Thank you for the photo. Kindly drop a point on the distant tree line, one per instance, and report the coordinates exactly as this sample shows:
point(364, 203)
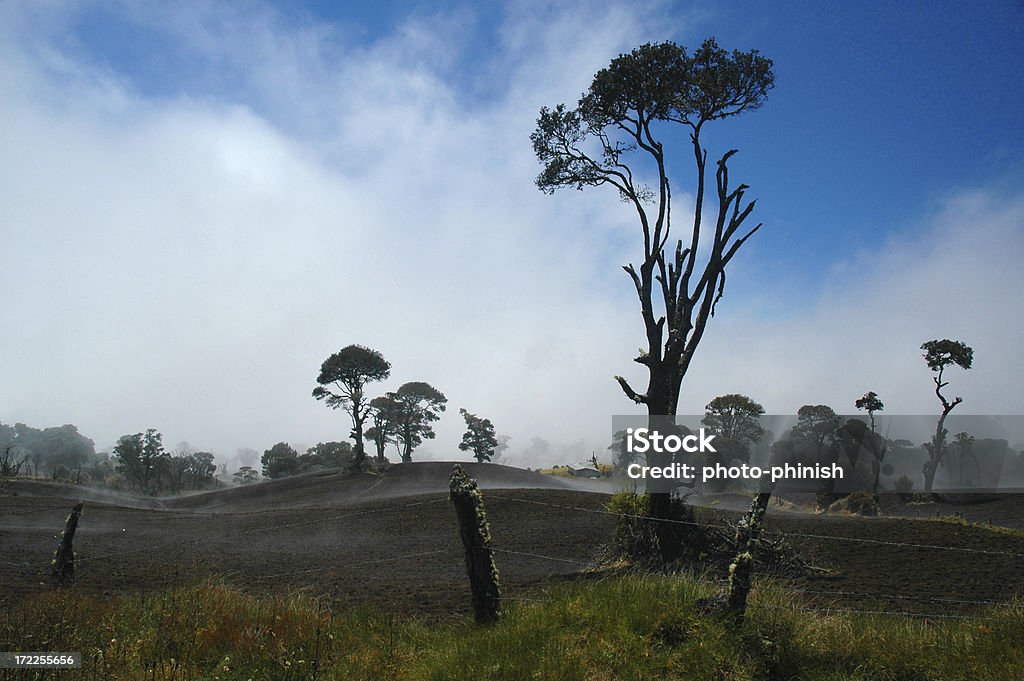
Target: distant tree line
point(821, 436)
point(282, 460)
point(138, 461)
point(57, 453)
point(148, 468)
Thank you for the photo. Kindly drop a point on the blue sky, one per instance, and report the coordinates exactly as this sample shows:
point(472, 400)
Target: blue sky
point(258, 184)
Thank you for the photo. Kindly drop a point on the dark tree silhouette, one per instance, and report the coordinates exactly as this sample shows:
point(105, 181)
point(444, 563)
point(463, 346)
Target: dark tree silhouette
point(621, 455)
point(142, 459)
point(418, 405)
point(734, 420)
point(11, 461)
point(280, 461)
point(940, 354)
point(479, 437)
point(326, 454)
point(612, 138)
point(348, 371)
point(734, 417)
point(965, 447)
point(384, 411)
point(59, 448)
point(818, 426)
point(876, 445)
point(246, 475)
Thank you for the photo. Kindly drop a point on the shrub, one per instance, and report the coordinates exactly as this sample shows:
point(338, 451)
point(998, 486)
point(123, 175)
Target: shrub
point(635, 539)
point(636, 536)
point(903, 485)
point(859, 503)
point(823, 500)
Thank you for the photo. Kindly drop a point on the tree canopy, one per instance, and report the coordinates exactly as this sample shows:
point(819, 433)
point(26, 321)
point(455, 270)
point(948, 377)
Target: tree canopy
point(940, 354)
point(734, 417)
point(142, 458)
point(327, 455)
point(280, 461)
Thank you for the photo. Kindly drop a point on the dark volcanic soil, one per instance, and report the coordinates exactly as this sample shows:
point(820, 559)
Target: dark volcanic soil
point(392, 540)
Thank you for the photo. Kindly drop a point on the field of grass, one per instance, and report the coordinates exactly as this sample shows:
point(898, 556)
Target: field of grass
point(621, 627)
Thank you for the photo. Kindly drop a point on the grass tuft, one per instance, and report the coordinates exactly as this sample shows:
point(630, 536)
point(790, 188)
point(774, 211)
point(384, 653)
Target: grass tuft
point(623, 627)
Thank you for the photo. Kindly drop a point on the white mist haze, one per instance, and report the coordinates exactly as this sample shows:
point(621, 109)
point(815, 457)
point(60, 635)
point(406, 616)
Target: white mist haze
point(185, 260)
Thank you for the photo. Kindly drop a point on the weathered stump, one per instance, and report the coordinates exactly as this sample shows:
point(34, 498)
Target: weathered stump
point(62, 567)
point(476, 538)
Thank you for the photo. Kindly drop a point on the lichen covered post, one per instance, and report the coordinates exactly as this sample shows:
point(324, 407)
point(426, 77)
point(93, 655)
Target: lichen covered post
point(476, 538)
point(747, 534)
point(63, 563)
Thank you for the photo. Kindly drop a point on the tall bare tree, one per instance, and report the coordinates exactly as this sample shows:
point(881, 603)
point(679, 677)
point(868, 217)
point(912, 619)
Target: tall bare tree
point(612, 137)
point(870, 402)
point(940, 354)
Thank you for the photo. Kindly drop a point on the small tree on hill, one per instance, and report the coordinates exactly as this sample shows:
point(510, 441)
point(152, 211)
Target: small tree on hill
point(342, 378)
point(479, 437)
point(871, 403)
point(384, 412)
point(246, 475)
point(419, 405)
point(734, 420)
point(965, 448)
point(142, 459)
point(327, 454)
point(280, 461)
point(734, 417)
point(817, 426)
point(940, 354)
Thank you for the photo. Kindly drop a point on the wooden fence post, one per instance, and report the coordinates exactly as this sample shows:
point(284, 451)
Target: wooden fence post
point(747, 534)
point(476, 538)
point(63, 563)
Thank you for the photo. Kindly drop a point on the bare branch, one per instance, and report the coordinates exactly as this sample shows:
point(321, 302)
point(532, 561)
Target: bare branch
point(636, 279)
point(739, 242)
point(630, 393)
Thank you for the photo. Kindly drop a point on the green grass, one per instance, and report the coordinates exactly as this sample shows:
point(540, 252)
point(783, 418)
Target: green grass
point(626, 627)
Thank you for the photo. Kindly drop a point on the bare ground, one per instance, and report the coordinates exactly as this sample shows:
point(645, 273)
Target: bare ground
point(391, 540)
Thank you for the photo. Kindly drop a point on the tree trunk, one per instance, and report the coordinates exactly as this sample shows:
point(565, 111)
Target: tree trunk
point(659, 490)
point(476, 538)
point(930, 469)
